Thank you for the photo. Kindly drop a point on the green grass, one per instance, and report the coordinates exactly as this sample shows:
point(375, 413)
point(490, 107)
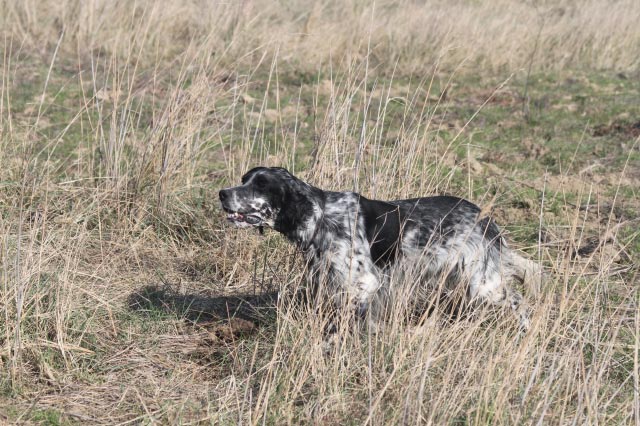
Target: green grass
point(571, 125)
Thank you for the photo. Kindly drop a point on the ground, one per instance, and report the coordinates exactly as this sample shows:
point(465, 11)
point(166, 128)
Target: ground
point(126, 298)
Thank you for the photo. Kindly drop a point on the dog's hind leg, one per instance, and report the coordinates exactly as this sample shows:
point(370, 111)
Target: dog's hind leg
point(508, 298)
point(519, 307)
point(531, 275)
point(494, 289)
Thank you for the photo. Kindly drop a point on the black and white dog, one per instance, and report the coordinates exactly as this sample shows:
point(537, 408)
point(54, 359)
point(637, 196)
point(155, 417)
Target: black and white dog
point(354, 244)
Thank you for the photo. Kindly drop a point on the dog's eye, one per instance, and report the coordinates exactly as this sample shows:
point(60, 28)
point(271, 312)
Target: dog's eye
point(260, 181)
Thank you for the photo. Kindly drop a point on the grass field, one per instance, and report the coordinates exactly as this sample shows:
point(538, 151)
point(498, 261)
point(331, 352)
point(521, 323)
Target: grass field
point(126, 298)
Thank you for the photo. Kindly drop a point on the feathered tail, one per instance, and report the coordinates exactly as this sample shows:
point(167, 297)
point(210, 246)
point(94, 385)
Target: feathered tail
point(528, 272)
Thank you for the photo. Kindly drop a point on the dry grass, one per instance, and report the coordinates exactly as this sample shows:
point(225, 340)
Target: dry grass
point(390, 34)
point(119, 278)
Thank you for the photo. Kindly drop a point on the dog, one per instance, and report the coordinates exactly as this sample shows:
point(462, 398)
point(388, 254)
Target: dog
point(354, 245)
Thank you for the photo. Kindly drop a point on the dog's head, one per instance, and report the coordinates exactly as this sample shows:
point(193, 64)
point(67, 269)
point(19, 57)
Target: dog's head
point(259, 199)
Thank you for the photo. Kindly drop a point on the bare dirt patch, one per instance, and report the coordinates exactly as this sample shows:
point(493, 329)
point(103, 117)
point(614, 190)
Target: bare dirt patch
point(618, 127)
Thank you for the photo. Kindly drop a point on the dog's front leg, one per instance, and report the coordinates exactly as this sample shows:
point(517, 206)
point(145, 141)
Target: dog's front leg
point(354, 285)
point(366, 305)
point(363, 285)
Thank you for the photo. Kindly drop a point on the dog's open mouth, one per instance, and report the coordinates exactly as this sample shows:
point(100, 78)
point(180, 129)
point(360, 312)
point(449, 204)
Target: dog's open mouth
point(244, 218)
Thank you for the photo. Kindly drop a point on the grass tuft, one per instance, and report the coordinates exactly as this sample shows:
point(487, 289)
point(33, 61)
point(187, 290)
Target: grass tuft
point(125, 298)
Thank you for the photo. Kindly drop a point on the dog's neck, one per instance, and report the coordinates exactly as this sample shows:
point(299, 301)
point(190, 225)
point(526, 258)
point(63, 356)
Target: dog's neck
point(310, 230)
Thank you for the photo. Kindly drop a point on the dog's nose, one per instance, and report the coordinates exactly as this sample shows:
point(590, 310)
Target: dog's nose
point(223, 194)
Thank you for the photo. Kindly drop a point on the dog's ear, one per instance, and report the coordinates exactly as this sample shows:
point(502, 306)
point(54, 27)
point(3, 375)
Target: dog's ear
point(296, 205)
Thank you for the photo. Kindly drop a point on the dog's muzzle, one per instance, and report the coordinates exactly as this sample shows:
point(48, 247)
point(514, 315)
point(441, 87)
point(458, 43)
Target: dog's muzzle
point(236, 215)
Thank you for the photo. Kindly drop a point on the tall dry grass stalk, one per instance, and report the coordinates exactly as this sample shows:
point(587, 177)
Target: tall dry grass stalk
point(394, 34)
point(164, 103)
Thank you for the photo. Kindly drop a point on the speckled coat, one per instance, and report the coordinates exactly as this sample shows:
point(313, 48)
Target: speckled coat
point(354, 245)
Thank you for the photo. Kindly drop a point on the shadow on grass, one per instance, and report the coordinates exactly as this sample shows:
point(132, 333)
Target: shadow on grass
point(154, 299)
point(258, 309)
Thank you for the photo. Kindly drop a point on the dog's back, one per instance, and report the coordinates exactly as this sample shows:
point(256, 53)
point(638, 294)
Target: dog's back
point(444, 243)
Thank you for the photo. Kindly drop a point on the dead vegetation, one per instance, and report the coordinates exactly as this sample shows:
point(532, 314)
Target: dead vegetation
point(126, 299)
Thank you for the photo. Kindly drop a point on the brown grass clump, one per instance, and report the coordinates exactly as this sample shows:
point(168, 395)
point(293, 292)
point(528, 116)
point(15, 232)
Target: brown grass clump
point(125, 298)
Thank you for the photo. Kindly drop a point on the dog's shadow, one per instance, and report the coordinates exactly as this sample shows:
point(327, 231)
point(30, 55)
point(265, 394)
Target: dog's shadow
point(156, 299)
point(256, 310)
